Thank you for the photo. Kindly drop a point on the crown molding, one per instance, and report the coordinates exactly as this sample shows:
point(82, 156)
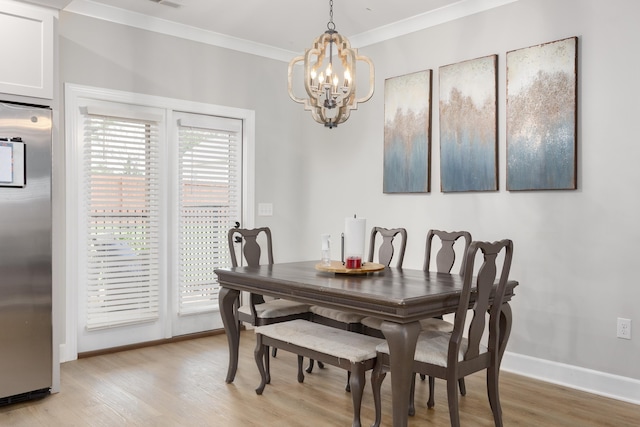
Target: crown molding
point(53, 4)
point(426, 20)
point(163, 26)
point(452, 12)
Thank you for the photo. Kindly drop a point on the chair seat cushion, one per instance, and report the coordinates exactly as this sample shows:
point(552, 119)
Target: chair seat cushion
point(276, 308)
point(336, 342)
point(431, 324)
point(432, 347)
point(338, 315)
point(372, 322)
point(435, 324)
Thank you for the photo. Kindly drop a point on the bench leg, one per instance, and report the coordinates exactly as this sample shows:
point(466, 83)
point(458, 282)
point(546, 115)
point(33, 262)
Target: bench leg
point(357, 381)
point(258, 354)
point(432, 386)
point(300, 369)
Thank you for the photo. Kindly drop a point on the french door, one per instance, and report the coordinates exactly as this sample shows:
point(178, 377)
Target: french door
point(157, 192)
point(208, 194)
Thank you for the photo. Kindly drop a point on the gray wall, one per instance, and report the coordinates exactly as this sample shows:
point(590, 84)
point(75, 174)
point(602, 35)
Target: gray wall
point(574, 250)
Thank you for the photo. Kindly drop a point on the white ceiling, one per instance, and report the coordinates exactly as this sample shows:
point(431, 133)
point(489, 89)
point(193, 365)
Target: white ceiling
point(276, 28)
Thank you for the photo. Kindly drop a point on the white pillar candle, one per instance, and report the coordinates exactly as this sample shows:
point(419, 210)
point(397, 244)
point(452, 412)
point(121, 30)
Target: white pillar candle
point(354, 235)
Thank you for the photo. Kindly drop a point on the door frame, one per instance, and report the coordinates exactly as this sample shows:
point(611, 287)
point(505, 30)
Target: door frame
point(74, 96)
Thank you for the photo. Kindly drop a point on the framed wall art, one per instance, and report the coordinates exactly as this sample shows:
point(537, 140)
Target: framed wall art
point(407, 133)
point(468, 126)
point(541, 116)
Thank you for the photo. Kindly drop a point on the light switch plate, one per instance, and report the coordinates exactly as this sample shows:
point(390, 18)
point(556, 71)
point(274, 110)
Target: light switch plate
point(265, 209)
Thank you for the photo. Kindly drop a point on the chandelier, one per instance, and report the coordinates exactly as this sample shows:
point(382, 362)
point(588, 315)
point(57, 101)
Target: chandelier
point(330, 100)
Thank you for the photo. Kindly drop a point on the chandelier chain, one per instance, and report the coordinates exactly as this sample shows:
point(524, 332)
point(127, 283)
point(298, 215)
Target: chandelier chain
point(330, 25)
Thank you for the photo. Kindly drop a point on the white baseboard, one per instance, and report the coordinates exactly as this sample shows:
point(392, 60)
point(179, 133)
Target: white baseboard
point(596, 382)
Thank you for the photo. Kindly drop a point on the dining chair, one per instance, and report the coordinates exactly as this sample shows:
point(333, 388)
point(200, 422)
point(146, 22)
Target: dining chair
point(451, 356)
point(444, 261)
point(258, 311)
point(381, 239)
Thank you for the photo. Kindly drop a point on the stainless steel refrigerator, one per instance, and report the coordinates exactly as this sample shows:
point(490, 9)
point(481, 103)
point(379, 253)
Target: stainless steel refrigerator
point(25, 252)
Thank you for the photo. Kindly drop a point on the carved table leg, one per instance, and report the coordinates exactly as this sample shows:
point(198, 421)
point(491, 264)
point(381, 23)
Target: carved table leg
point(226, 301)
point(402, 340)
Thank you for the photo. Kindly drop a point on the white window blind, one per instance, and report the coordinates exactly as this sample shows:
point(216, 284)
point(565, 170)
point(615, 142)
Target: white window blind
point(209, 205)
point(122, 213)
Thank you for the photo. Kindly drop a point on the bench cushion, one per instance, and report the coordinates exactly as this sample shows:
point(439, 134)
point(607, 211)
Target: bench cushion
point(324, 339)
point(432, 347)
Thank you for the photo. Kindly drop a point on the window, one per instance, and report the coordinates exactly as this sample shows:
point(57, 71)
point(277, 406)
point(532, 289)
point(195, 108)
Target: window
point(122, 220)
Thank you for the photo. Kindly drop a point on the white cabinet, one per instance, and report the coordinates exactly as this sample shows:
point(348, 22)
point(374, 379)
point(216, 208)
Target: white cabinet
point(26, 49)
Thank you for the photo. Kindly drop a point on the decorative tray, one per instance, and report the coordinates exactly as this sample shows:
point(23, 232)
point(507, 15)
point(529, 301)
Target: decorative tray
point(339, 267)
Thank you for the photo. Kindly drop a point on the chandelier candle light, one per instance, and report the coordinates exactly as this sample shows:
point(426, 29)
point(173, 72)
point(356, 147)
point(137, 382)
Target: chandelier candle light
point(330, 100)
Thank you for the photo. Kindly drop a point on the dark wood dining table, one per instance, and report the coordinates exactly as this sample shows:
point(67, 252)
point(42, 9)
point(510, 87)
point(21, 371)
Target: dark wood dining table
point(399, 296)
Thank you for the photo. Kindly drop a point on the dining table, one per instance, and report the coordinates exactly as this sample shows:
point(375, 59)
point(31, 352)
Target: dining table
point(398, 296)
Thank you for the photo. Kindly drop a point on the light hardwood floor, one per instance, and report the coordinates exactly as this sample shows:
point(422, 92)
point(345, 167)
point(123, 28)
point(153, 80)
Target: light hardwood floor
point(182, 384)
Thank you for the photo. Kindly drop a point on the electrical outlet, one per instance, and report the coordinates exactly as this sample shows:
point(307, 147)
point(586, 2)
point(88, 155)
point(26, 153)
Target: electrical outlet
point(624, 328)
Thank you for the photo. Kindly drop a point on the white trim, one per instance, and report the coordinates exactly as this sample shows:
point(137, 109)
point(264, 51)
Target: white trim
point(51, 4)
point(145, 22)
point(429, 19)
point(588, 380)
point(171, 151)
point(73, 155)
point(69, 347)
point(248, 171)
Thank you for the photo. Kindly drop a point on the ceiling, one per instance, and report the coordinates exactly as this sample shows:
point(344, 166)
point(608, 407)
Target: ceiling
point(284, 26)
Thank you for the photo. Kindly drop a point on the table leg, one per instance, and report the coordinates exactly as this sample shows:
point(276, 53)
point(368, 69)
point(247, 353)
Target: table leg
point(402, 340)
point(226, 300)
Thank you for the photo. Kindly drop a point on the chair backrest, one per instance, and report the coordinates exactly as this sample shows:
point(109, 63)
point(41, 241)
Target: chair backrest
point(387, 249)
point(446, 256)
point(482, 284)
point(250, 246)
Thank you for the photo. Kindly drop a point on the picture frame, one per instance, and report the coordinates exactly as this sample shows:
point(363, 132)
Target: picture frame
point(468, 125)
point(407, 133)
point(542, 116)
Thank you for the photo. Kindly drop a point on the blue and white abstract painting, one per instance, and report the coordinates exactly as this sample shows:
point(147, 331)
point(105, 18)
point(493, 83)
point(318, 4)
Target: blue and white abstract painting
point(541, 116)
point(407, 133)
point(468, 122)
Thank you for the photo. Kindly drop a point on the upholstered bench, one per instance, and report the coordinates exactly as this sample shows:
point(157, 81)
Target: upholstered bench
point(348, 350)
